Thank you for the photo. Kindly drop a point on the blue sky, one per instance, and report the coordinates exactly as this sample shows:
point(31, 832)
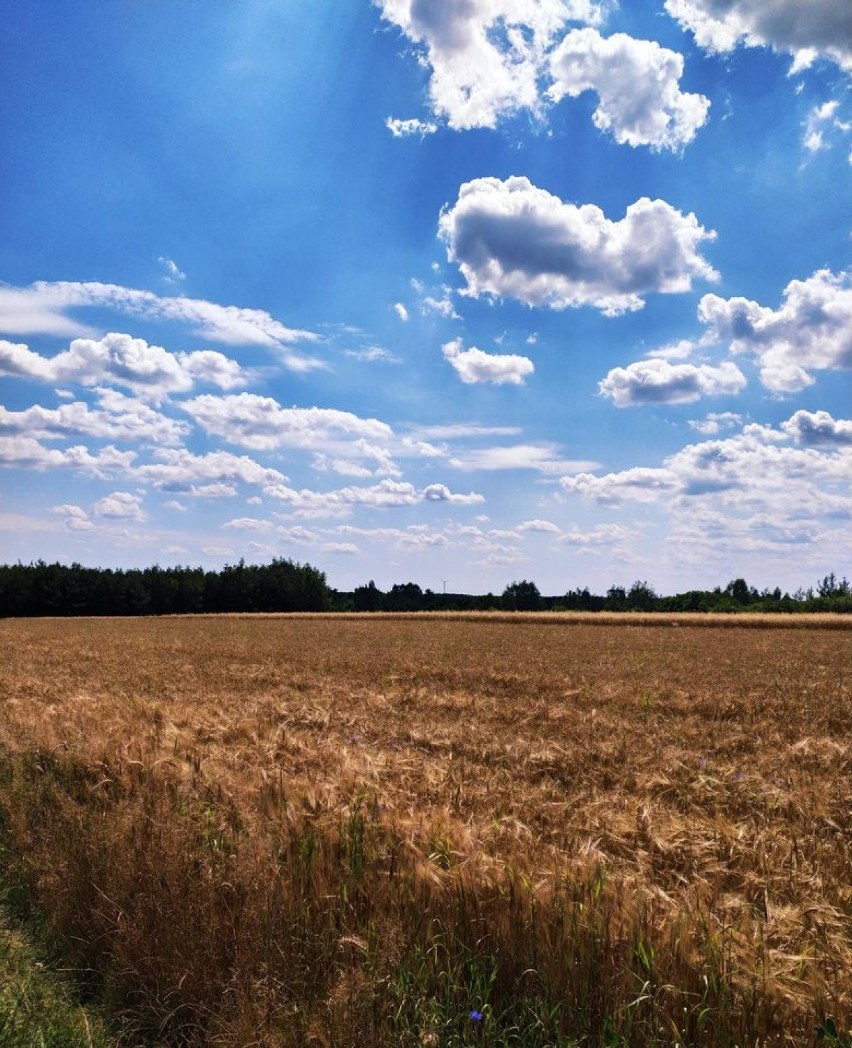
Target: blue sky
point(464, 291)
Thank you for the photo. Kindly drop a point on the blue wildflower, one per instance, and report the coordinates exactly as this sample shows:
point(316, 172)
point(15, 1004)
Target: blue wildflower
point(476, 1016)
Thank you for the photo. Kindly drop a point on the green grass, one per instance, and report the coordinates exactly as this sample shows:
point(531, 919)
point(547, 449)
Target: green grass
point(37, 1007)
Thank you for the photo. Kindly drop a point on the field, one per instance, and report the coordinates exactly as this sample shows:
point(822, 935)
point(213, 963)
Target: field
point(414, 830)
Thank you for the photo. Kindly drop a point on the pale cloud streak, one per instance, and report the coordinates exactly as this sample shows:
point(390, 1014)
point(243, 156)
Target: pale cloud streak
point(384, 495)
point(44, 308)
point(543, 458)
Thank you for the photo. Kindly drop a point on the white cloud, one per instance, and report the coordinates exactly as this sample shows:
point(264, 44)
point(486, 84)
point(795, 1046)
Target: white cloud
point(262, 423)
point(657, 381)
point(443, 306)
point(19, 452)
point(173, 272)
point(120, 505)
point(755, 472)
point(544, 458)
point(464, 430)
point(180, 471)
point(812, 330)
point(118, 418)
point(475, 365)
point(818, 429)
point(637, 83)
point(149, 371)
point(679, 350)
point(604, 536)
point(76, 518)
point(806, 29)
point(513, 239)
point(372, 355)
point(824, 128)
point(639, 484)
point(405, 128)
point(381, 463)
point(540, 526)
point(248, 524)
point(401, 311)
point(385, 494)
point(485, 56)
point(216, 490)
point(490, 59)
point(715, 421)
point(42, 308)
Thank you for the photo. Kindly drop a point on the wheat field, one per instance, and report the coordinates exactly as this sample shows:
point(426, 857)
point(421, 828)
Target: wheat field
point(445, 830)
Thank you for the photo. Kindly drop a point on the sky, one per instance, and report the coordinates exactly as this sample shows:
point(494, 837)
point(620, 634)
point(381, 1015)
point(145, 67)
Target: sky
point(456, 292)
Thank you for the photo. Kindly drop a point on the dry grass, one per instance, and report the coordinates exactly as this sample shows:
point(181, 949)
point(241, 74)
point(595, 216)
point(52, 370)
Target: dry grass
point(705, 771)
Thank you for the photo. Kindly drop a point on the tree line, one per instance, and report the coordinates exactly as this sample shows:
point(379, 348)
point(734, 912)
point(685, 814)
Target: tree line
point(59, 589)
point(284, 585)
point(830, 594)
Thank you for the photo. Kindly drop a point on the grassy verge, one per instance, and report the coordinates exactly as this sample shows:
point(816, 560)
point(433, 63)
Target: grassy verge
point(37, 1007)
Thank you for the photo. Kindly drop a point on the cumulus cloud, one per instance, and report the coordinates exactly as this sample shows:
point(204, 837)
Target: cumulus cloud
point(656, 381)
point(490, 59)
point(806, 29)
point(401, 311)
point(812, 329)
point(148, 370)
point(818, 429)
point(715, 421)
point(117, 418)
point(755, 472)
point(415, 539)
point(638, 88)
point(20, 452)
point(485, 56)
point(216, 473)
point(43, 308)
point(358, 453)
point(248, 524)
point(639, 484)
point(120, 505)
point(512, 239)
point(539, 526)
point(385, 494)
point(475, 365)
point(76, 518)
point(262, 423)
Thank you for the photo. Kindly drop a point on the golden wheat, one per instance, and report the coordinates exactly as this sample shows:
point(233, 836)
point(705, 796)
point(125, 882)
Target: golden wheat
point(707, 770)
